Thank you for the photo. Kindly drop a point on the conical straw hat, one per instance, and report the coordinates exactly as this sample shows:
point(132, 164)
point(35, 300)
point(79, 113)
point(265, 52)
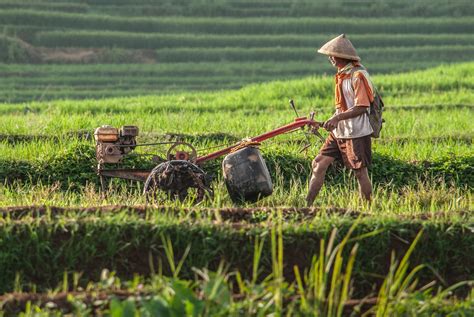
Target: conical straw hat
point(340, 47)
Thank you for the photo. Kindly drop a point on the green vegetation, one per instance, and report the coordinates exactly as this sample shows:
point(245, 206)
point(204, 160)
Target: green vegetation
point(234, 25)
point(322, 283)
point(230, 8)
point(449, 158)
point(429, 145)
point(253, 41)
point(212, 72)
point(422, 174)
point(173, 46)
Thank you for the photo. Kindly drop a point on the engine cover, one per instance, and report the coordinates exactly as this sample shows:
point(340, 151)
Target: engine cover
point(113, 144)
point(108, 153)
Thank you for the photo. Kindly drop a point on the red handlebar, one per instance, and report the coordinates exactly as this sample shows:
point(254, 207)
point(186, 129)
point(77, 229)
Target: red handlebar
point(299, 122)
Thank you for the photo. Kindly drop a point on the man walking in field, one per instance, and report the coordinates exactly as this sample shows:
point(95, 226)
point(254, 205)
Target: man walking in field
point(350, 130)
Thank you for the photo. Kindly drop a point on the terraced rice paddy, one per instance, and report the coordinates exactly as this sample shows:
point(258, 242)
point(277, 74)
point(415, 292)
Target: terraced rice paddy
point(151, 48)
point(212, 74)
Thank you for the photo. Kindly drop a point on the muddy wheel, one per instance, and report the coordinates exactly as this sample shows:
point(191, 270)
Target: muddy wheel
point(176, 180)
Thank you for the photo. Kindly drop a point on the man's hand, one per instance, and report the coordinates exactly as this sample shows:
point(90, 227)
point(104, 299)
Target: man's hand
point(315, 126)
point(331, 124)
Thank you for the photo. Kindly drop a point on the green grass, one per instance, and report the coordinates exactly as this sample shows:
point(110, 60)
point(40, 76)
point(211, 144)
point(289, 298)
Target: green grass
point(253, 8)
point(416, 199)
point(443, 85)
point(46, 82)
point(422, 173)
point(78, 38)
point(212, 45)
point(226, 25)
point(87, 241)
point(325, 287)
point(450, 83)
point(426, 145)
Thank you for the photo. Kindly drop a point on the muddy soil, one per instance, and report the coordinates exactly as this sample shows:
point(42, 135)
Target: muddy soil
point(47, 55)
point(228, 214)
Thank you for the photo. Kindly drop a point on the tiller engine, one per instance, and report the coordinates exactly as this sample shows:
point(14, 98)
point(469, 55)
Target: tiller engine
point(113, 144)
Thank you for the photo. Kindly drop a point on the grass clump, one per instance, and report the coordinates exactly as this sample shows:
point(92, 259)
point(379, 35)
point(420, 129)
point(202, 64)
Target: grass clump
point(325, 289)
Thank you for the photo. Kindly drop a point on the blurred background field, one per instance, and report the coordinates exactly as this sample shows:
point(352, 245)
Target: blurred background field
point(95, 49)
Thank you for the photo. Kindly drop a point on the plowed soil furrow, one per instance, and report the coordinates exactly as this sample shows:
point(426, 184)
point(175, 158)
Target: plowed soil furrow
point(232, 214)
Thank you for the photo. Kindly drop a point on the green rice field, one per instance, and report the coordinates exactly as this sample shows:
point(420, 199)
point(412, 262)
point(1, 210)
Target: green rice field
point(96, 49)
point(212, 73)
point(422, 173)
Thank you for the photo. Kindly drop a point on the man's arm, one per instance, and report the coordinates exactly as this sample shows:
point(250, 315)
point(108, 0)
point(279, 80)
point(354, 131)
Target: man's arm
point(351, 113)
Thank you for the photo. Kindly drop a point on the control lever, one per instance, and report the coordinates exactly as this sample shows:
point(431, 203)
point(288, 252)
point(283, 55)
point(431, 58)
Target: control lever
point(292, 103)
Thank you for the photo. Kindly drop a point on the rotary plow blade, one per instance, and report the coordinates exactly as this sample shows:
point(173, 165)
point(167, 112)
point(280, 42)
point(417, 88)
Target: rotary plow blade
point(174, 179)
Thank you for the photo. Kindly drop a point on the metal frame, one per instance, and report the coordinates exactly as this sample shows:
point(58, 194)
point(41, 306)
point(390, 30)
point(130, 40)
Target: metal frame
point(142, 174)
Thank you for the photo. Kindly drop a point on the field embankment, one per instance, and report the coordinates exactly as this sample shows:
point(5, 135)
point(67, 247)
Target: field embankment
point(53, 240)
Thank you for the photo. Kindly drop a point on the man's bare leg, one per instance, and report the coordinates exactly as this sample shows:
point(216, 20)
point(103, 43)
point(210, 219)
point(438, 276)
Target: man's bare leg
point(320, 165)
point(365, 186)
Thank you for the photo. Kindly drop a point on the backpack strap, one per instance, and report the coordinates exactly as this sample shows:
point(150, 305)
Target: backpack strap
point(353, 70)
point(359, 68)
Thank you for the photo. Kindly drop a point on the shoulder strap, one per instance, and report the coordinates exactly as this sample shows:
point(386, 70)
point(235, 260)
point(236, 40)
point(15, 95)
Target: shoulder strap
point(358, 68)
point(353, 70)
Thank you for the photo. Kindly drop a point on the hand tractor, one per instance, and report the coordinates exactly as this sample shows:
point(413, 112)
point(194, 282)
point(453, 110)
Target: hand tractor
point(245, 173)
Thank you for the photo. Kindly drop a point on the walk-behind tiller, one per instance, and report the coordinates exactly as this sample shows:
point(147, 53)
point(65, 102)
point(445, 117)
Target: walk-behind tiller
point(245, 172)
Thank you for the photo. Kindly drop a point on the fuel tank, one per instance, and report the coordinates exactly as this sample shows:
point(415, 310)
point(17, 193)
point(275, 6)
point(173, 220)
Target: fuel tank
point(246, 175)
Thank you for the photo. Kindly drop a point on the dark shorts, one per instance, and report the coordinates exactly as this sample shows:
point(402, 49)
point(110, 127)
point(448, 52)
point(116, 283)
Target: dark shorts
point(354, 153)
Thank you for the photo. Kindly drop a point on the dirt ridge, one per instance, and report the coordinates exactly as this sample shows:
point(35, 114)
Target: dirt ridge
point(230, 214)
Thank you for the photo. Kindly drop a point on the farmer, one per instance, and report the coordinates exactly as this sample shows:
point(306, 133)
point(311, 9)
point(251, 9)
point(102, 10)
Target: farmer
point(350, 129)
